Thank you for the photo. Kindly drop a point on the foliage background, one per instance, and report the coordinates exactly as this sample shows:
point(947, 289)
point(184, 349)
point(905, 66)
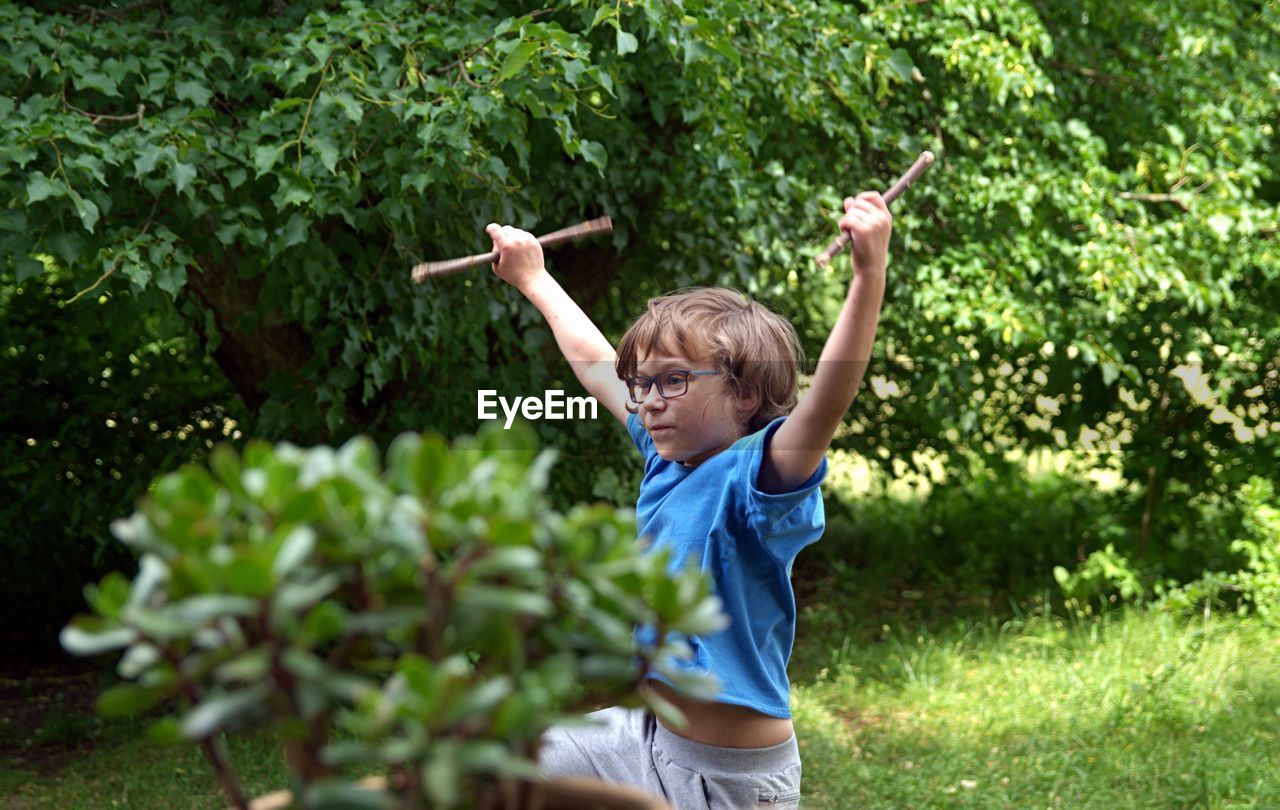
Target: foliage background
point(233, 194)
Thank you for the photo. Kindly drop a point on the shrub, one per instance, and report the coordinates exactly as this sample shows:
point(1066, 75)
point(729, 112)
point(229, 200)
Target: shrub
point(428, 619)
point(1256, 583)
point(1103, 575)
point(997, 531)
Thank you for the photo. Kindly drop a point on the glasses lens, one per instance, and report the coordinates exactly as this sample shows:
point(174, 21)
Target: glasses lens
point(673, 383)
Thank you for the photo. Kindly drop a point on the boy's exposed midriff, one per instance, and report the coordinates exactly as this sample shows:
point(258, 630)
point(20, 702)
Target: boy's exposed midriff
point(724, 724)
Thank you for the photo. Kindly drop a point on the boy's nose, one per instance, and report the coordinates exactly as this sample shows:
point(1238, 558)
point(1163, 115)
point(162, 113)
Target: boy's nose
point(653, 400)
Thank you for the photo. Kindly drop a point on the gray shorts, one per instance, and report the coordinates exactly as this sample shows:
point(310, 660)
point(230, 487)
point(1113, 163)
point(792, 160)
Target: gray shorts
point(633, 748)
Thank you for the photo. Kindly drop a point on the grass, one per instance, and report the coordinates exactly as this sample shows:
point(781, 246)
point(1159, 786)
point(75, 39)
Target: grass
point(123, 768)
point(1126, 710)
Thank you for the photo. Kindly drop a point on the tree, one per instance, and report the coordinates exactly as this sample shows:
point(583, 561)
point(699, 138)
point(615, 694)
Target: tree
point(1072, 266)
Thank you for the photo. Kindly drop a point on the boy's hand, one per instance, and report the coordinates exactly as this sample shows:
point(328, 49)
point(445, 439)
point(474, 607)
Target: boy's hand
point(521, 259)
point(868, 222)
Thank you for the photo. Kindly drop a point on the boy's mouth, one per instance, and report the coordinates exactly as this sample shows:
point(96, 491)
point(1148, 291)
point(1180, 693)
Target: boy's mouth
point(657, 430)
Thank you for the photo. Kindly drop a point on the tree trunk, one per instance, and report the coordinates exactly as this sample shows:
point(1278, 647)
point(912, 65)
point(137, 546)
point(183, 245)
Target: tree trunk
point(1148, 511)
point(252, 346)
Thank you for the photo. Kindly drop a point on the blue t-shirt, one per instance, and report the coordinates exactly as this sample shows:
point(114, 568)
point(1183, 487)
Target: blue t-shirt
point(746, 540)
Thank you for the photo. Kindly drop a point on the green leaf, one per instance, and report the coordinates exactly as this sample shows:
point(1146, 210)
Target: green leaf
point(247, 667)
point(1110, 372)
point(67, 246)
point(484, 599)
point(595, 154)
point(351, 107)
point(220, 712)
point(78, 641)
point(152, 571)
point(265, 156)
point(90, 164)
point(165, 731)
point(899, 62)
point(704, 618)
point(198, 94)
point(328, 151)
point(605, 11)
point(129, 699)
point(87, 210)
point(297, 189)
point(440, 779)
point(26, 267)
point(136, 271)
point(294, 551)
point(201, 609)
point(156, 623)
point(249, 575)
point(296, 596)
point(573, 70)
point(295, 230)
point(627, 43)
point(146, 162)
point(725, 48)
point(40, 187)
point(138, 659)
point(335, 795)
point(182, 174)
point(516, 60)
point(108, 596)
point(668, 711)
point(323, 624)
point(94, 80)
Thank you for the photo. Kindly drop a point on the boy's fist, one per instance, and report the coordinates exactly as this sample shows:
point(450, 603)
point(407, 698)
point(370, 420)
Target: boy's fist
point(868, 222)
point(521, 255)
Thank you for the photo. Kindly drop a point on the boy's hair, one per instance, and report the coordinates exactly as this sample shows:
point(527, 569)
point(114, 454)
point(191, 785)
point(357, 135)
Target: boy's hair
point(756, 348)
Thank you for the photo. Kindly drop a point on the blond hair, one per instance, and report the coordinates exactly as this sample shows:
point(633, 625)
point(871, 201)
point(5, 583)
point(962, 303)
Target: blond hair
point(757, 350)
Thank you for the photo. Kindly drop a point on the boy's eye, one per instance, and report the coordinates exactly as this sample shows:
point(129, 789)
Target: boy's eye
point(674, 378)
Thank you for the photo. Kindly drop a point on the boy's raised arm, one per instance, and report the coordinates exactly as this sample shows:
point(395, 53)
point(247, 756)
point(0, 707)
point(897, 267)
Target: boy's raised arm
point(580, 341)
point(796, 450)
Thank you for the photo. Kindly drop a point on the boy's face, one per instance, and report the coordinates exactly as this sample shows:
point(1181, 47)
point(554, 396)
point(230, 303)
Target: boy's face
point(699, 423)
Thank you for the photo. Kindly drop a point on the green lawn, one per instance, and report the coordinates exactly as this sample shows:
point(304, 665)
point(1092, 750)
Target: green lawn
point(1127, 710)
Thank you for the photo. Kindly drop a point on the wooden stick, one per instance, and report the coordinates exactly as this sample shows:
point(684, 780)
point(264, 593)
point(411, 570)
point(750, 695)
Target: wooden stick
point(592, 227)
point(842, 241)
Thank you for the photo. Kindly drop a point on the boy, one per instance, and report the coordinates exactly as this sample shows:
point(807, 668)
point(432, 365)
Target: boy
point(700, 373)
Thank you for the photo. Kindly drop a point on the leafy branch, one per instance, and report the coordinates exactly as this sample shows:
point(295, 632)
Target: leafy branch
point(464, 59)
point(306, 118)
point(115, 265)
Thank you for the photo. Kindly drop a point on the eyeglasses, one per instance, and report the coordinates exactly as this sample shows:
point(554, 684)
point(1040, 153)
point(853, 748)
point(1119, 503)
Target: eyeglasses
point(671, 384)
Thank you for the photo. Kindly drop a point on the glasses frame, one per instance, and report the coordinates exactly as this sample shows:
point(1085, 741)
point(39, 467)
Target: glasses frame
point(653, 382)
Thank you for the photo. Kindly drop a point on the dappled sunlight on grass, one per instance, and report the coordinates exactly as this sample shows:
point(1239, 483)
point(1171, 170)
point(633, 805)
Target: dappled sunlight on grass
point(1128, 710)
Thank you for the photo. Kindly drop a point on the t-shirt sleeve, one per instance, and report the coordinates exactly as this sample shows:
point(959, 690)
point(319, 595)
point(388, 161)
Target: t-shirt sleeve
point(640, 436)
point(786, 521)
